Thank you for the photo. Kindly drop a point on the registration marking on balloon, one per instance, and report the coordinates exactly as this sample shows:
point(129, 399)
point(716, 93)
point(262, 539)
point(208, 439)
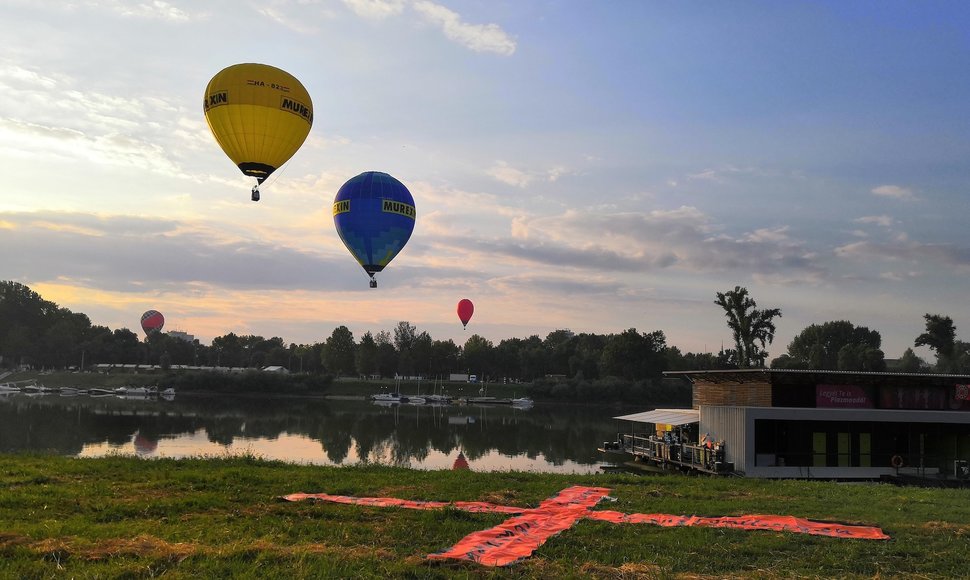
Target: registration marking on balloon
point(518, 537)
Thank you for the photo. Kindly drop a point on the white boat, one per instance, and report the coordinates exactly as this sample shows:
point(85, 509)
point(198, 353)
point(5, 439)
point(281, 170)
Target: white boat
point(416, 400)
point(392, 397)
point(437, 399)
point(522, 402)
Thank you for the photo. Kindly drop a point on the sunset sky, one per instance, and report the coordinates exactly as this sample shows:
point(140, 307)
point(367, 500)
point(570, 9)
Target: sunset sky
point(594, 166)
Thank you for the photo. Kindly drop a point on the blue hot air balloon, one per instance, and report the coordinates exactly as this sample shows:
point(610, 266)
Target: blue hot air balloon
point(374, 215)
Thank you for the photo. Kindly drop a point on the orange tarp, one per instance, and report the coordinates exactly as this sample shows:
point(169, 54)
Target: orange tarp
point(518, 537)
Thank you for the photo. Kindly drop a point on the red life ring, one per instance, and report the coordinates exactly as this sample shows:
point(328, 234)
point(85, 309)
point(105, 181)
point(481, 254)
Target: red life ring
point(896, 461)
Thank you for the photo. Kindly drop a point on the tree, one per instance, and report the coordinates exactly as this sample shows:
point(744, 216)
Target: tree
point(836, 345)
point(340, 352)
point(940, 336)
point(748, 325)
point(632, 355)
point(421, 353)
point(910, 363)
point(366, 359)
point(386, 355)
point(405, 334)
point(445, 355)
point(477, 355)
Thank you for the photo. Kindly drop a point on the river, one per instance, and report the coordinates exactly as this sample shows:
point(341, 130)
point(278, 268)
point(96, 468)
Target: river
point(546, 438)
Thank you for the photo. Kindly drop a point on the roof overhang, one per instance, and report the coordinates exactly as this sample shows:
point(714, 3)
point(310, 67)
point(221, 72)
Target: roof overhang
point(664, 416)
point(800, 376)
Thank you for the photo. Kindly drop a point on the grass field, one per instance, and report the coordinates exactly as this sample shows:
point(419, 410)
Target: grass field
point(121, 517)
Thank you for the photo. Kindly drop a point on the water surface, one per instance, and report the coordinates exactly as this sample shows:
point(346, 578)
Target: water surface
point(548, 437)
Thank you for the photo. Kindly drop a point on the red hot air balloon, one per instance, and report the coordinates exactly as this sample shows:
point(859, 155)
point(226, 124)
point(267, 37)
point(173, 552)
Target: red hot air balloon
point(465, 311)
point(152, 322)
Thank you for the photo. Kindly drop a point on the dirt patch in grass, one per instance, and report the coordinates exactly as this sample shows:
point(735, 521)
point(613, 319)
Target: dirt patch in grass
point(502, 497)
point(141, 547)
point(10, 540)
point(155, 548)
point(956, 529)
point(628, 570)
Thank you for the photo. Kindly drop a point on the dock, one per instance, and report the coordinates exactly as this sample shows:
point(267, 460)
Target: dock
point(657, 453)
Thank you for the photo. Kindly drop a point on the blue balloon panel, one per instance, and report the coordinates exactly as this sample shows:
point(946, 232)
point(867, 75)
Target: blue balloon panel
point(374, 215)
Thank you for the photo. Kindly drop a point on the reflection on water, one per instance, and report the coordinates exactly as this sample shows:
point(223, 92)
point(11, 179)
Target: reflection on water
point(543, 438)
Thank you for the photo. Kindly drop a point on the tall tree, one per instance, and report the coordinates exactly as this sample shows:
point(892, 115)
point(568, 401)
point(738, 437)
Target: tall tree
point(405, 334)
point(940, 336)
point(366, 359)
point(340, 351)
point(748, 324)
point(477, 355)
point(386, 355)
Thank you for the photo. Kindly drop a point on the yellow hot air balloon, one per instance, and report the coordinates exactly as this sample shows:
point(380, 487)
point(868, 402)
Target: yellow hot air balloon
point(260, 115)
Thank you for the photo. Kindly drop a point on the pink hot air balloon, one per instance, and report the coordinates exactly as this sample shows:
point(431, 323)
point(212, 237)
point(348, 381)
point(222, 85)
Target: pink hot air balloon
point(465, 311)
point(152, 322)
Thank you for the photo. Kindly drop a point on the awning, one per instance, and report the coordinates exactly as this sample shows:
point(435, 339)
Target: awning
point(664, 416)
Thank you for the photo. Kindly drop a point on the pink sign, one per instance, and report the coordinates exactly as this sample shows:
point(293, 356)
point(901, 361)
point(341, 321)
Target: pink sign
point(851, 396)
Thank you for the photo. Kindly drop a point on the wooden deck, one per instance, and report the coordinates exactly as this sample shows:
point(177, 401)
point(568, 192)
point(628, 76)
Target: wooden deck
point(655, 452)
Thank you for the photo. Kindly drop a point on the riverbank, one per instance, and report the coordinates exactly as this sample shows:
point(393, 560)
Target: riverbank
point(273, 383)
point(121, 516)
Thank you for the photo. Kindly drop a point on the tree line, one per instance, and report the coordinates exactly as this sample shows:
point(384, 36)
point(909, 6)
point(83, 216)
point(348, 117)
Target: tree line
point(38, 333)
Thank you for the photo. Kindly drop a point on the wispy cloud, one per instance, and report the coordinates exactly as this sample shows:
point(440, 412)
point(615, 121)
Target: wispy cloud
point(477, 37)
point(902, 249)
point(509, 175)
point(297, 23)
point(894, 192)
point(125, 253)
point(879, 220)
point(375, 9)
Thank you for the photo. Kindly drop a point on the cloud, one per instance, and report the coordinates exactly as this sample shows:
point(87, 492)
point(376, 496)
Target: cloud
point(638, 242)
point(298, 23)
point(375, 9)
point(895, 192)
point(722, 174)
point(509, 175)
point(477, 37)
point(154, 9)
point(880, 220)
point(902, 249)
point(89, 126)
point(131, 254)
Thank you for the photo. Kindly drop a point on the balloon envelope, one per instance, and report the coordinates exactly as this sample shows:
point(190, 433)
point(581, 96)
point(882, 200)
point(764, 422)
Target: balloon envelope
point(465, 311)
point(260, 115)
point(374, 215)
point(152, 321)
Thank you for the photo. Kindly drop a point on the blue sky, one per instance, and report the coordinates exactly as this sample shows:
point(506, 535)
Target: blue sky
point(594, 166)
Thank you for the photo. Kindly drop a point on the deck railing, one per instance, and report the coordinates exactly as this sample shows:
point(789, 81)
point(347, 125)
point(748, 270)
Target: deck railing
point(684, 454)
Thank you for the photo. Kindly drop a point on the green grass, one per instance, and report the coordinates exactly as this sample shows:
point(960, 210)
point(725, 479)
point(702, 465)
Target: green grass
point(121, 517)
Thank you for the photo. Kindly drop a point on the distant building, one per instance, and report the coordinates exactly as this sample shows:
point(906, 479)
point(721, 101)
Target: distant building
point(181, 335)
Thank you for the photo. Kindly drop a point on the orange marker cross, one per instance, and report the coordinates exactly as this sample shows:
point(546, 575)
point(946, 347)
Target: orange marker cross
point(518, 537)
